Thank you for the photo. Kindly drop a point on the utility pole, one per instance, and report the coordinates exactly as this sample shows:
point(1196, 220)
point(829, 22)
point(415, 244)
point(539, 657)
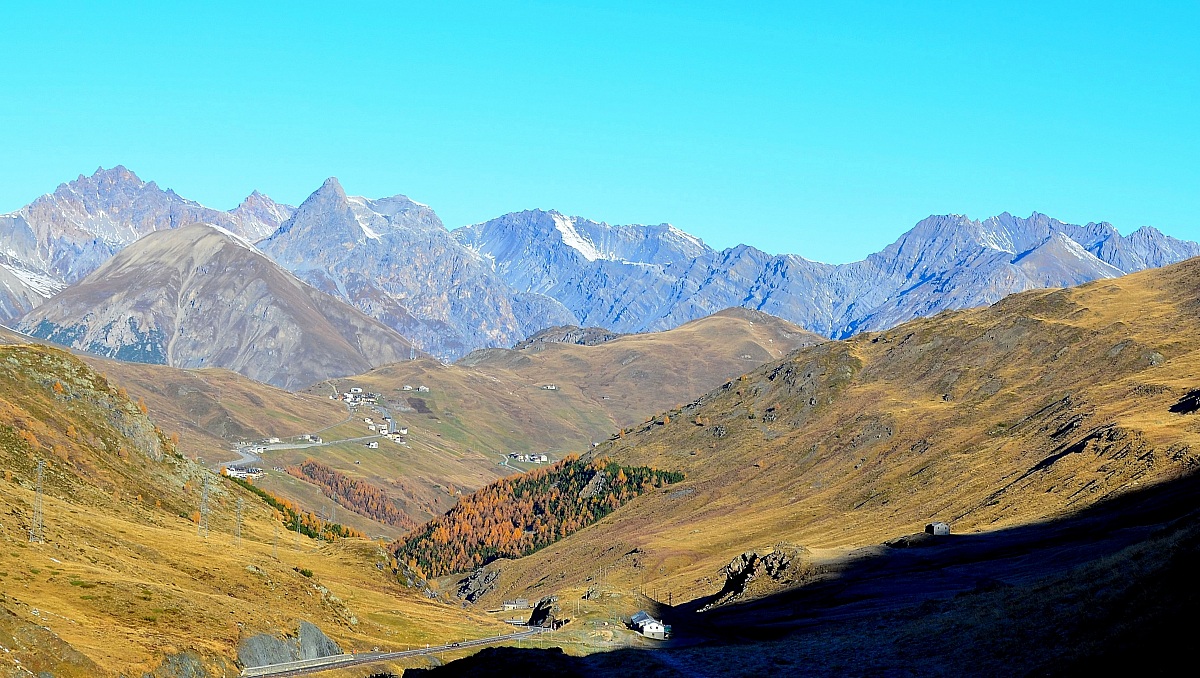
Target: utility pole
point(275, 545)
point(202, 524)
point(37, 526)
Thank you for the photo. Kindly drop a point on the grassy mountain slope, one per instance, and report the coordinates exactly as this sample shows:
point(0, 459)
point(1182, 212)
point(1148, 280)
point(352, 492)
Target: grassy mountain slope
point(123, 582)
point(1040, 405)
point(492, 403)
point(198, 296)
point(212, 408)
point(492, 400)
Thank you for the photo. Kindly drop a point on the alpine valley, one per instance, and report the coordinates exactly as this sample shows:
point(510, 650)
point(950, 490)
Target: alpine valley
point(340, 438)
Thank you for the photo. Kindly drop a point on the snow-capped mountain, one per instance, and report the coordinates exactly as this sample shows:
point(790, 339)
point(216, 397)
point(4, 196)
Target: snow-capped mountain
point(200, 296)
point(393, 259)
point(63, 236)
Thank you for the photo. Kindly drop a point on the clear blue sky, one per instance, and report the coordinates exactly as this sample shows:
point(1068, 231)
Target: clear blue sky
point(825, 129)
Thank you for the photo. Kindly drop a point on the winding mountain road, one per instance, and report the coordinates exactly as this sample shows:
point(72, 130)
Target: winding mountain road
point(341, 661)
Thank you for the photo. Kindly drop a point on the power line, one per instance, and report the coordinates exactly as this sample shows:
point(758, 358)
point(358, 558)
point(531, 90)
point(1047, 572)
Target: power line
point(37, 526)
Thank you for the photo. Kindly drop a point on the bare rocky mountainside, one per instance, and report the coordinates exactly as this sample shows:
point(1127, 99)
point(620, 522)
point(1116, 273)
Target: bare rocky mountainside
point(497, 283)
point(393, 259)
point(644, 278)
point(200, 296)
point(63, 236)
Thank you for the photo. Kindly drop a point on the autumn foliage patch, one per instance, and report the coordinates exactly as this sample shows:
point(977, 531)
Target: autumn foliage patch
point(357, 495)
point(520, 514)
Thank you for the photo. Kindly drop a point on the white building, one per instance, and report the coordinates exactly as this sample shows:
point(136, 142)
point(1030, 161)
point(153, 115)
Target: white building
point(937, 529)
point(649, 626)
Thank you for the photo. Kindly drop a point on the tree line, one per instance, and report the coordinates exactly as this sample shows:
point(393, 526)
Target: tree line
point(291, 515)
point(357, 495)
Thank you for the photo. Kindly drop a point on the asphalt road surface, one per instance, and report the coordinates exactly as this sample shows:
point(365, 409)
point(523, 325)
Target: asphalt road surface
point(303, 668)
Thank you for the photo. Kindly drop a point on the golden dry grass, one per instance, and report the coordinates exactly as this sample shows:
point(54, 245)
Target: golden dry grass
point(124, 580)
point(969, 417)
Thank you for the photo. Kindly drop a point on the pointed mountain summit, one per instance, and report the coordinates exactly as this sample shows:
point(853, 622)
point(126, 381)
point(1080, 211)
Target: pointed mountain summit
point(638, 278)
point(541, 251)
point(200, 296)
point(393, 259)
point(258, 215)
point(63, 236)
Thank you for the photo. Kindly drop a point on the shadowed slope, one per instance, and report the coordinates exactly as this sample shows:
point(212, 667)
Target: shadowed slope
point(1041, 404)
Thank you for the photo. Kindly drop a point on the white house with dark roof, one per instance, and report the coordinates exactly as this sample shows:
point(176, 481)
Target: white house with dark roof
point(649, 626)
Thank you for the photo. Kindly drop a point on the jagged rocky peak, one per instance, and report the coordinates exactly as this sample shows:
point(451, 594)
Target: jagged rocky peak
point(260, 216)
point(394, 259)
point(582, 238)
point(201, 296)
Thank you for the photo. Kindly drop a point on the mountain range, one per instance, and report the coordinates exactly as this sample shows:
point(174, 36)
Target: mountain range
point(393, 259)
point(61, 237)
point(497, 283)
point(636, 279)
point(200, 296)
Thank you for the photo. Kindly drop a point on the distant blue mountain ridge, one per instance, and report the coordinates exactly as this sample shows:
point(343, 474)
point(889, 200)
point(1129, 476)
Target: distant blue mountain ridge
point(498, 282)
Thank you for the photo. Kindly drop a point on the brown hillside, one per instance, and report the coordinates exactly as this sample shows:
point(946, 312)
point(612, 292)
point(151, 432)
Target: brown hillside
point(198, 296)
point(1038, 406)
point(211, 409)
point(492, 400)
point(123, 581)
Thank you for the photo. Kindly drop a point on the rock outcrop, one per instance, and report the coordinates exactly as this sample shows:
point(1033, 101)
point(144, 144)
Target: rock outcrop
point(751, 572)
point(477, 584)
point(309, 642)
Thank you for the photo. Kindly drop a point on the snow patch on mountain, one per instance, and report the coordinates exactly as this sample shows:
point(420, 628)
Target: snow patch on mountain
point(573, 239)
point(43, 285)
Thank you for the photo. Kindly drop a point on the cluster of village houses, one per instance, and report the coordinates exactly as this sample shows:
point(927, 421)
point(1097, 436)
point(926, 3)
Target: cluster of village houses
point(387, 428)
point(247, 473)
point(356, 396)
point(529, 458)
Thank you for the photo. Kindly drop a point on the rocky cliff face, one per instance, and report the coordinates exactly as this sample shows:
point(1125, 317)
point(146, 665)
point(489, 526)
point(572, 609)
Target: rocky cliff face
point(497, 283)
point(63, 236)
point(393, 259)
point(635, 278)
point(200, 296)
